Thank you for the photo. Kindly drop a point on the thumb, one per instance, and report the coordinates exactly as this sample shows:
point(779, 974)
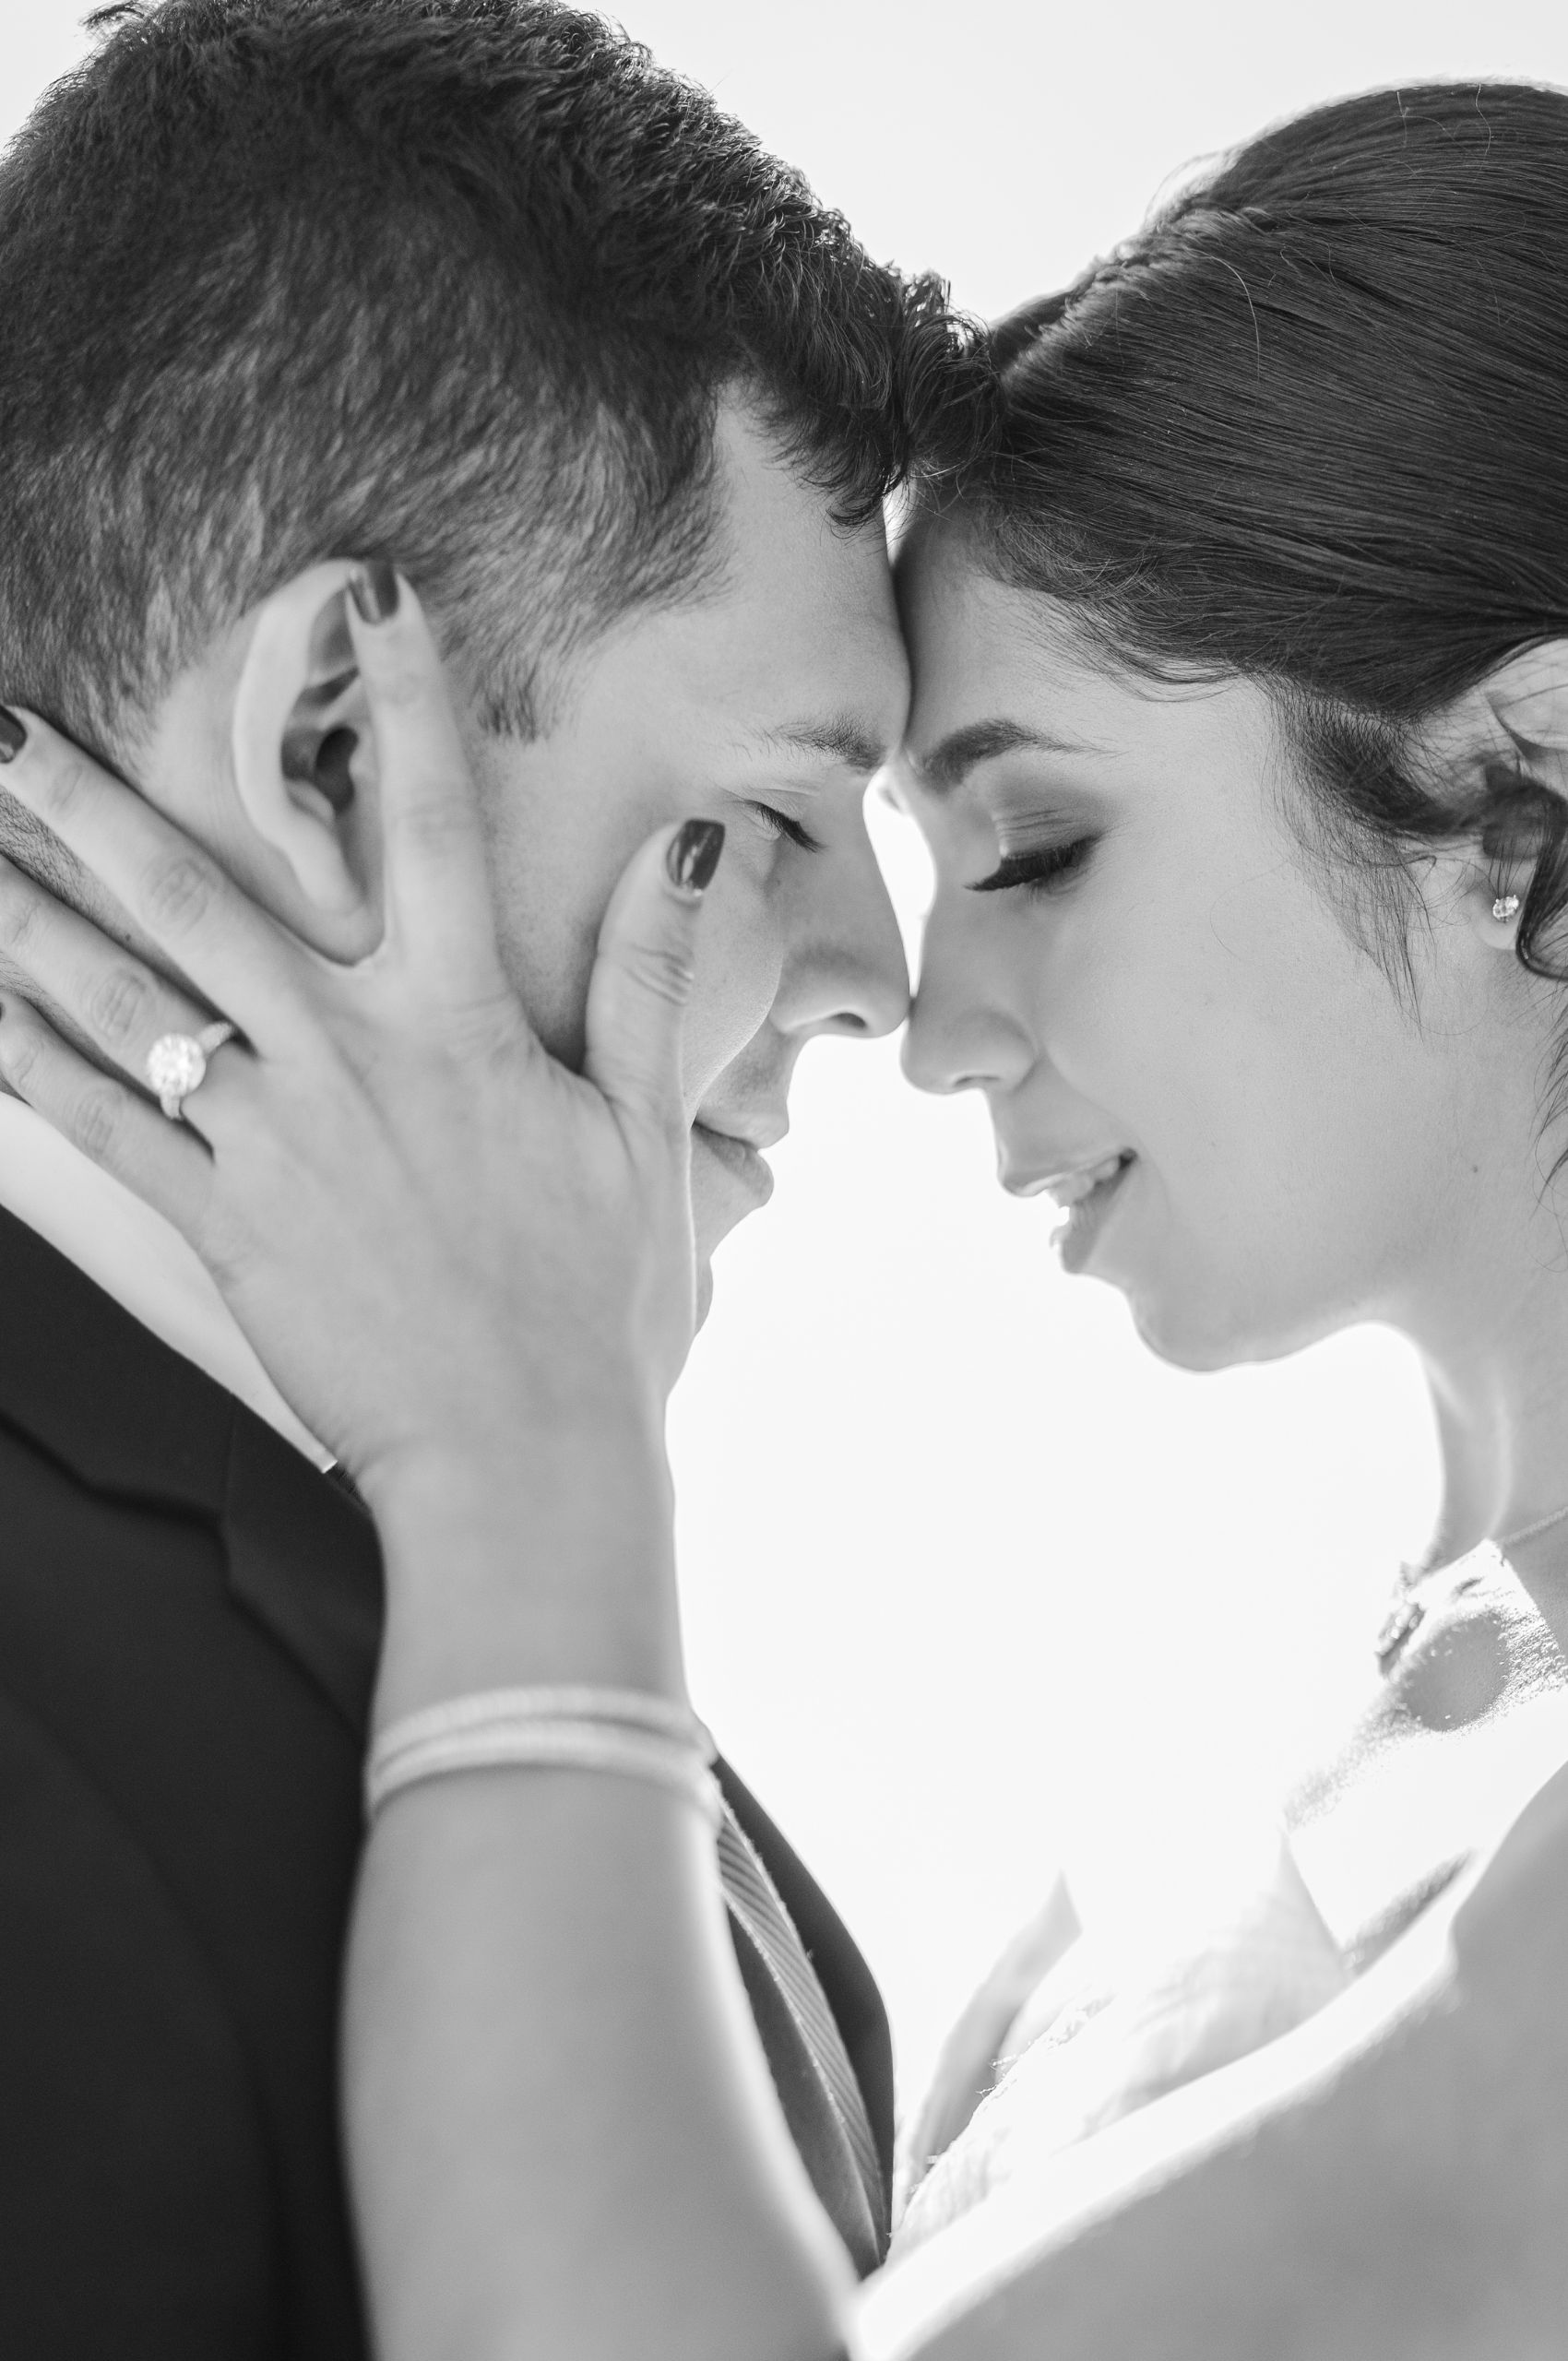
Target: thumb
point(642, 977)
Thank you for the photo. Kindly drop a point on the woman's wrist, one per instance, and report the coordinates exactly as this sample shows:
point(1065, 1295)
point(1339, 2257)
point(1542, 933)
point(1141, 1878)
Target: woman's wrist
point(523, 1558)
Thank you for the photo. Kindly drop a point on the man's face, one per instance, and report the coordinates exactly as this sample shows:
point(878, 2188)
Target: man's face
point(765, 706)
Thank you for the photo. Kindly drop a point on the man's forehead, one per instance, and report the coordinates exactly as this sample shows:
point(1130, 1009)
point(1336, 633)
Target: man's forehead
point(792, 654)
point(816, 697)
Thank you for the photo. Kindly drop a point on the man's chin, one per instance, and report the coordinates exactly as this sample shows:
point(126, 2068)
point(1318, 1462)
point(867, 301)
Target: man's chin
point(712, 1224)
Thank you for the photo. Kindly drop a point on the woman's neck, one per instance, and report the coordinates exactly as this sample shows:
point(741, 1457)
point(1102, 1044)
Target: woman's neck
point(1499, 1386)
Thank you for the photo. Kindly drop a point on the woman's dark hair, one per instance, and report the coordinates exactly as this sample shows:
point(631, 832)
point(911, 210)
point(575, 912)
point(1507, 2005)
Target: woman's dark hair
point(1310, 426)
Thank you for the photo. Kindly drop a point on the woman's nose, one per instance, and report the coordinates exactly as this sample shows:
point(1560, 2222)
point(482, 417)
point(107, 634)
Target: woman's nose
point(961, 1034)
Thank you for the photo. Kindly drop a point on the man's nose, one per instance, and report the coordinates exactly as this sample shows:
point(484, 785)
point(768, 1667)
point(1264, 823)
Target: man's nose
point(846, 971)
point(961, 1035)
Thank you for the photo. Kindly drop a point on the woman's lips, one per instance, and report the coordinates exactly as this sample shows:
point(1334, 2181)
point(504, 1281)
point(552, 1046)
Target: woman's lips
point(1069, 1184)
point(740, 1158)
point(1088, 1208)
point(1085, 1194)
point(1071, 1188)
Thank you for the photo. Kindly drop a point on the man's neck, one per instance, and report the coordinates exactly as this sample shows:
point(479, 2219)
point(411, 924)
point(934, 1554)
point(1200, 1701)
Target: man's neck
point(136, 1256)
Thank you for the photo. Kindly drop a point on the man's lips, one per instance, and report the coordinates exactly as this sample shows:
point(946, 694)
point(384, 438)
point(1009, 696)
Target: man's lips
point(739, 1158)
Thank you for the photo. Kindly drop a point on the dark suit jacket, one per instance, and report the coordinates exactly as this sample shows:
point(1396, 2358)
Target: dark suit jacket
point(189, 1616)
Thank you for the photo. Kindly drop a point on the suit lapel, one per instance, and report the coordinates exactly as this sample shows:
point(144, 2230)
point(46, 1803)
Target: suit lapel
point(305, 1559)
point(102, 1395)
point(96, 1390)
point(133, 1419)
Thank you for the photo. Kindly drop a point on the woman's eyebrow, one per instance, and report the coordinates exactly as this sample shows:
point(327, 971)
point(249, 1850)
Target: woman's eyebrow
point(954, 757)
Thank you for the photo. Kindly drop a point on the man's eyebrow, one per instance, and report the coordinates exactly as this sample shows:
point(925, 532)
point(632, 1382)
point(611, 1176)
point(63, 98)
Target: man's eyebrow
point(842, 739)
point(954, 757)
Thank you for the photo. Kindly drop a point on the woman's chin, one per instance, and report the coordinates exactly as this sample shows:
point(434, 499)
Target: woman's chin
point(1187, 1345)
point(1194, 1302)
point(1205, 1329)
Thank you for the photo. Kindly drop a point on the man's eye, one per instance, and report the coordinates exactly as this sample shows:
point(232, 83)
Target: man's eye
point(1051, 867)
point(778, 823)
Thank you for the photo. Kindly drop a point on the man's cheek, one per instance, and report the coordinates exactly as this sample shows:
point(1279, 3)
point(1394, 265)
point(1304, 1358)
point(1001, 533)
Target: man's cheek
point(548, 964)
point(735, 984)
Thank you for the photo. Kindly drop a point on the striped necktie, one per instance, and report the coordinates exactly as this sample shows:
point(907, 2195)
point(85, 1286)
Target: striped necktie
point(754, 1903)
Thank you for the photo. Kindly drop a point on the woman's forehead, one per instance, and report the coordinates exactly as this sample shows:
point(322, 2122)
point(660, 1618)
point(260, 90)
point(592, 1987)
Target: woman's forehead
point(986, 657)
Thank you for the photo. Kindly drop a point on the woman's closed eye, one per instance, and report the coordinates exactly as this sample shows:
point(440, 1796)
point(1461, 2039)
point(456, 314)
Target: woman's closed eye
point(1044, 870)
point(776, 823)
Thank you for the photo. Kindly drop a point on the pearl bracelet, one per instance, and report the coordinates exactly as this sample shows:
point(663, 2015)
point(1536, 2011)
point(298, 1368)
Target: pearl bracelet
point(622, 1731)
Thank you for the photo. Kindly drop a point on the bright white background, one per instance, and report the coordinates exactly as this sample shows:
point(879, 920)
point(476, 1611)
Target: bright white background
point(973, 1585)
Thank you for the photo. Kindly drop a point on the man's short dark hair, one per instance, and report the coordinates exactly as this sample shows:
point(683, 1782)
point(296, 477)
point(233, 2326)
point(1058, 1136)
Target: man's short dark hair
point(456, 282)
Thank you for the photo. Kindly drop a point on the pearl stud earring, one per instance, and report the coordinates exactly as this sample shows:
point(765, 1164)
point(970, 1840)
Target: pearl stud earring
point(1506, 907)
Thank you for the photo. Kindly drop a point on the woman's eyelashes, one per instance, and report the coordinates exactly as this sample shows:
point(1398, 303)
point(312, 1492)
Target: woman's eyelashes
point(1043, 870)
point(776, 823)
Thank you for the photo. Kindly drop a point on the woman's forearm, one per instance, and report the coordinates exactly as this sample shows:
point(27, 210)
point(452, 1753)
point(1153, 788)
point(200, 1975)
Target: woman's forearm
point(535, 1547)
point(563, 2137)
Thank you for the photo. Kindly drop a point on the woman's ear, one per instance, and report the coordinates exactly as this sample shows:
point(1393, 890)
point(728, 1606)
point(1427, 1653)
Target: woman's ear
point(1517, 718)
point(1528, 696)
point(303, 750)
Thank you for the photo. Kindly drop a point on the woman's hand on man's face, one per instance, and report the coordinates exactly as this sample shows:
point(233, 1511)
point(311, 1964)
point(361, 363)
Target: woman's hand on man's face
point(432, 1232)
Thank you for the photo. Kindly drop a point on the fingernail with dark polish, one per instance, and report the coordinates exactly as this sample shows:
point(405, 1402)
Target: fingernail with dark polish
point(694, 855)
point(13, 736)
point(374, 589)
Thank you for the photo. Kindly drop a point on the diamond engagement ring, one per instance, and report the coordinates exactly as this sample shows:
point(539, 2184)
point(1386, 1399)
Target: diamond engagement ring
point(176, 1064)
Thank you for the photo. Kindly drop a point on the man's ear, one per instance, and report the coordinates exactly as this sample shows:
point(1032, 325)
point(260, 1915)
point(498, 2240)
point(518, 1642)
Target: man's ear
point(303, 750)
point(1513, 720)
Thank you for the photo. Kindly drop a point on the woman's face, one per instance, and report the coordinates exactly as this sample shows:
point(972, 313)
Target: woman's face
point(1179, 1038)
